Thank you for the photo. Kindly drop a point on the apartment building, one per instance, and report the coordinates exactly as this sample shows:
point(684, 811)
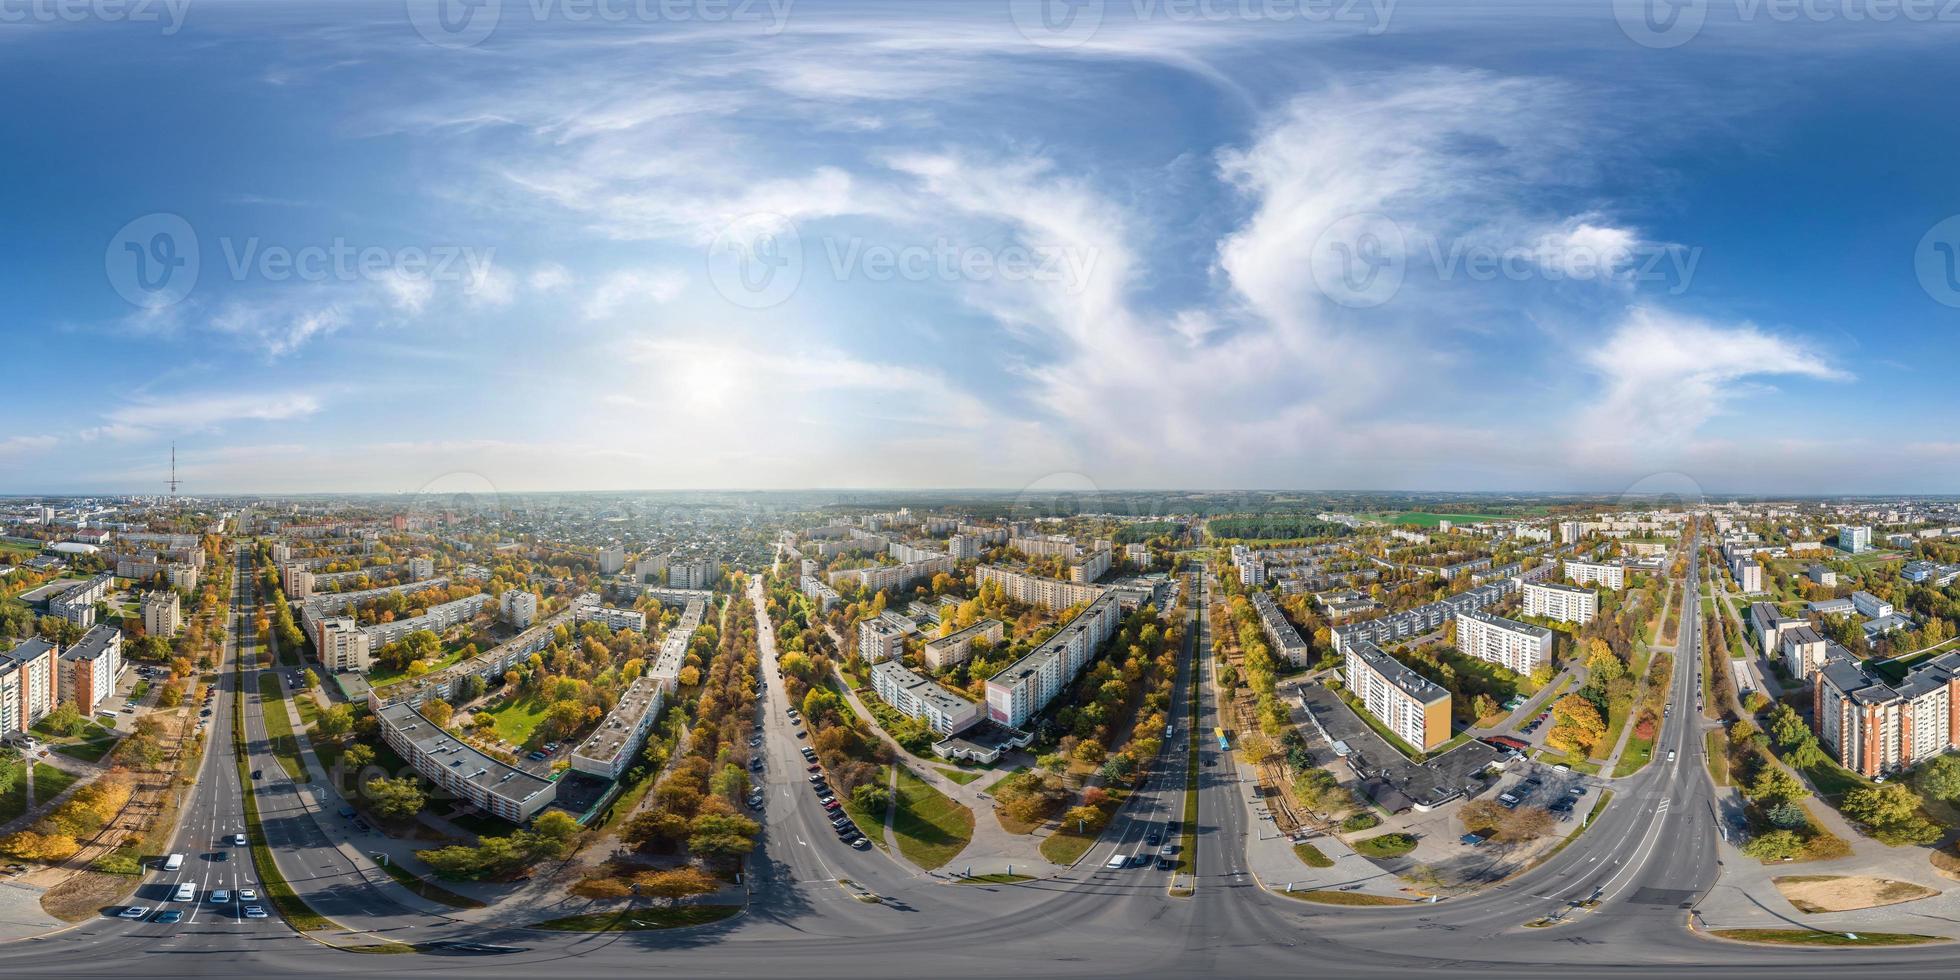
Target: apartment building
point(891, 578)
point(421, 568)
point(1610, 574)
point(1518, 647)
point(437, 619)
point(1415, 708)
point(1822, 575)
point(1091, 566)
point(673, 647)
point(1569, 532)
point(454, 765)
point(610, 751)
point(879, 640)
point(821, 592)
point(296, 580)
point(1037, 590)
point(614, 618)
point(1855, 539)
point(87, 671)
point(1748, 575)
point(518, 608)
point(343, 645)
point(961, 547)
point(1424, 618)
point(181, 575)
point(1250, 565)
point(28, 688)
point(918, 697)
point(162, 614)
point(612, 561)
point(956, 648)
point(77, 605)
point(1023, 688)
point(651, 568)
point(1286, 641)
point(693, 573)
point(1804, 650)
point(1875, 728)
point(1565, 603)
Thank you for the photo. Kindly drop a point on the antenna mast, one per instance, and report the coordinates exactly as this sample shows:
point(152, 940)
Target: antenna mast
point(173, 471)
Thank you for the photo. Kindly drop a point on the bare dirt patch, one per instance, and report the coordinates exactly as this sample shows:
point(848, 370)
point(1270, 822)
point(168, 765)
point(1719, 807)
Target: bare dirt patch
point(85, 895)
point(1846, 893)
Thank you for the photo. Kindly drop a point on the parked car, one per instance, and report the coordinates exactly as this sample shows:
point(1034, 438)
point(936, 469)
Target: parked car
point(1165, 864)
point(861, 844)
point(1471, 839)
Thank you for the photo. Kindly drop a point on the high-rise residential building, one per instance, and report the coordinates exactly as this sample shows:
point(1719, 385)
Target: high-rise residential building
point(955, 648)
point(1024, 687)
point(77, 605)
point(879, 640)
point(1565, 603)
point(1415, 708)
point(612, 561)
point(87, 671)
point(421, 568)
point(28, 687)
point(1876, 728)
point(918, 697)
point(1855, 539)
point(297, 582)
point(343, 645)
point(162, 613)
point(651, 568)
point(1518, 647)
point(518, 607)
point(1611, 574)
point(693, 573)
point(1037, 590)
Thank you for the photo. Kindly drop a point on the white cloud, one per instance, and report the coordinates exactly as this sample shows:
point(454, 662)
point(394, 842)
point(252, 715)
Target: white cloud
point(1663, 375)
point(629, 289)
point(22, 445)
point(192, 412)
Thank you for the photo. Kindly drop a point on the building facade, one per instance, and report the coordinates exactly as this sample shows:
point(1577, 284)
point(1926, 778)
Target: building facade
point(1518, 647)
point(1565, 603)
point(1415, 708)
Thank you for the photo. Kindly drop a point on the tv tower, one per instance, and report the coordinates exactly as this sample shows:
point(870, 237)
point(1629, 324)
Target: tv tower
point(173, 472)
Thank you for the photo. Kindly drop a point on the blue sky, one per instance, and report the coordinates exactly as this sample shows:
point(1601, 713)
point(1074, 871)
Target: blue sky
point(939, 244)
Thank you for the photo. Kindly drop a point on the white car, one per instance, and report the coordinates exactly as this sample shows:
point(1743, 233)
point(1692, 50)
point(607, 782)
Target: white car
point(238, 840)
point(134, 912)
point(254, 912)
point(1116, 862)
point(248, 895)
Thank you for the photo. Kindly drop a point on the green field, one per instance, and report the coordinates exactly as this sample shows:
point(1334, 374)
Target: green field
point(1419, 518)
point(1812, 937)
point(517, 718)
point(50, 782)
point(960, 776)
point(930, 828)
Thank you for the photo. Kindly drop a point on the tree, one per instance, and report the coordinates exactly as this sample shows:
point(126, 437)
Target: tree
point(731, 782)
point(1086, 817)
point(871, 798)
point(557, 828)
point(1941, 778)
point(394, 799)
point(357, 757)
point(1788, 816)
point(1482, 816)
point(1526, 823)
point(1774, 846)
point(1775, 785)
point(722, 835)
point(1484, 706)
point(675, 883)
point(1877, 806)
point(335, 721)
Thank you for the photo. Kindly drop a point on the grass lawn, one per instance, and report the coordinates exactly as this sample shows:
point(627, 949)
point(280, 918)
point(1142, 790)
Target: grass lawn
point(1832, 780)
point(995, 879)
point(91, 750)
point(995, 785)
point(641, 920)
point(1811, 937)
point(930, 828)
point(428, 889)
point(1385, 846)
point(49, 782)
point(1347, 898)
point(1066, 846)
point(960, 776)
point(1310, 856)
point(13, 802)
point(517, 718)
point(279, 728)
point(1640, 751)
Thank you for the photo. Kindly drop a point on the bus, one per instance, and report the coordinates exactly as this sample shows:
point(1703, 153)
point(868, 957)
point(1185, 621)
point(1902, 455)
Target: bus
point(1224, 744)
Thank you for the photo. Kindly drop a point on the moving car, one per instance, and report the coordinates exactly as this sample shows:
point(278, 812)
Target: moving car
point(1153, 838)
point(133, 912)
point(221, 896)
point(248, 895)
point(1116, 862)
point(168, 916)
point(254, 912)
point(238, 840)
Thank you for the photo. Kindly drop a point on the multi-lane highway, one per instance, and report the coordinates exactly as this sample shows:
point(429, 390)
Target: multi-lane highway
point(1646, 860)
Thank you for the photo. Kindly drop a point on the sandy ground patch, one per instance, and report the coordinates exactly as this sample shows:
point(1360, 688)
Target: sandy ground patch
point(1845, 893)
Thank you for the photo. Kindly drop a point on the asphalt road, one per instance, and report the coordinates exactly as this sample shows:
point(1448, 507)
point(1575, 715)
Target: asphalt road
point(1652, 851)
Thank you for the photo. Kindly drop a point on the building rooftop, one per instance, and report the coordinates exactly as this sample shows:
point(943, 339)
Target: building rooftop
point(1399, 674)
point(93, 644)
point(623, 722)
point(1528, 629)
point(460, 757)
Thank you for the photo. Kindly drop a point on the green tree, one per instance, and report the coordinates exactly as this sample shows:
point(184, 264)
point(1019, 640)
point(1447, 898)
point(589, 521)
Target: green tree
point(394, 799)
point(1774, 846)
point(335, 721)
point(1941, 778)
point(871, 798)
point(722, 835)
point(1877, 806)
point(1775, 785)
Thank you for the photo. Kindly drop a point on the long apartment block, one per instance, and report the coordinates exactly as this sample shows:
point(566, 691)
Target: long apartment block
point(1518, 647)
point(1412, 706)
